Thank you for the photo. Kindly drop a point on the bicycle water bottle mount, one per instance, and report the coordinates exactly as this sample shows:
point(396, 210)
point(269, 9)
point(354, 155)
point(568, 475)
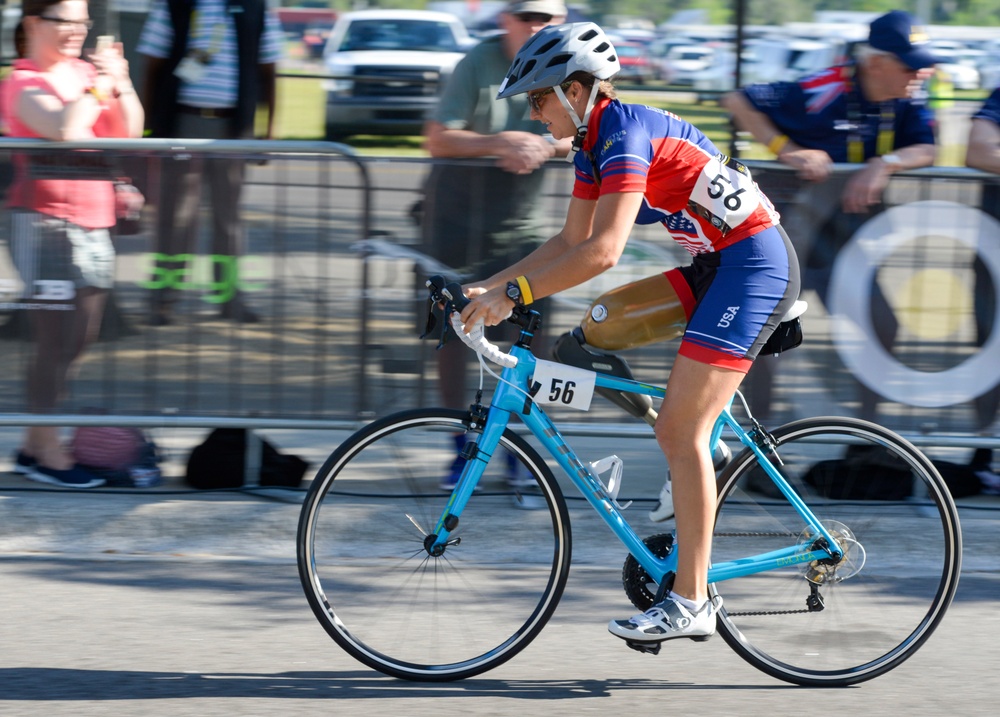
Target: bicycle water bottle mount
point(614, 484)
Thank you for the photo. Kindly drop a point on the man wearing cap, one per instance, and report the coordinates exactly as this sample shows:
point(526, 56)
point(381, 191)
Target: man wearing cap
point(860, 112)
point(865, 112)
point(482, 211)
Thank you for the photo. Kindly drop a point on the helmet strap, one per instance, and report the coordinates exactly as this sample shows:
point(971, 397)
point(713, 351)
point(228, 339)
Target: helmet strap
point(581, 122)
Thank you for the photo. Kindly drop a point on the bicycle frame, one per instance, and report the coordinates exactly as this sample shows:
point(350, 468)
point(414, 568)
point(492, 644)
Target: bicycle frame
point(511, 397)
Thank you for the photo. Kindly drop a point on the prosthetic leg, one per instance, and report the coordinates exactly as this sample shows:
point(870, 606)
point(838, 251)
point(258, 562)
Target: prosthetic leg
point(628, 316)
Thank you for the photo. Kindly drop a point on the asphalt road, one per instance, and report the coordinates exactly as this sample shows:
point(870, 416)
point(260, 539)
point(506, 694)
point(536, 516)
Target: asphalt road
point(216, 636)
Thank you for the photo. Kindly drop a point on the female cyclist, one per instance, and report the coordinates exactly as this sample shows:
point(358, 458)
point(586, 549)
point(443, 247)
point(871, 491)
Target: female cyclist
point(639, 165)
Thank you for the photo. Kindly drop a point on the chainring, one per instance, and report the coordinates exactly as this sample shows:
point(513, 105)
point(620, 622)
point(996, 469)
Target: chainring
point(639, 586)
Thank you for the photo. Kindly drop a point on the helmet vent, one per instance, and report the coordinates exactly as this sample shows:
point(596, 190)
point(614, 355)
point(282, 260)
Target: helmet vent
point(547, 46)
point(556, 53)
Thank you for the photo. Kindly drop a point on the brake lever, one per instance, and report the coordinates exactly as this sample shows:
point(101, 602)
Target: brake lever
point(442, 294)
point(453, 292)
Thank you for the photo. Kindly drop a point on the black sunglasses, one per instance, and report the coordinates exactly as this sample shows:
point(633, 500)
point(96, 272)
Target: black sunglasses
point(533, 17)
point(534, 98)
point(64, 24)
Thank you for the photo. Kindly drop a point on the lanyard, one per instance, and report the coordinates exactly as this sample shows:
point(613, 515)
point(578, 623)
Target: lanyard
point(886, 124)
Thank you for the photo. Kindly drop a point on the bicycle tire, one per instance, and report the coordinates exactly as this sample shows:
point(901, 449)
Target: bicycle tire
point(389, 603)
point(909, 557)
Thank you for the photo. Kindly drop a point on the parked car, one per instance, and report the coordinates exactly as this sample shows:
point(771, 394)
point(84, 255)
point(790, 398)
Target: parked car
point(960, 65)
point(314, 38)
point(659, 51)
point(783, 60)
point(684, 64)
point(387, 69)
point(634, 61)
point(296, 20)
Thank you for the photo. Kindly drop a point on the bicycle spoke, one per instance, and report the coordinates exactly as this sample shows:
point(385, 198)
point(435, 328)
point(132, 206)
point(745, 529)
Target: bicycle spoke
point(384, 598)
point(836, 624)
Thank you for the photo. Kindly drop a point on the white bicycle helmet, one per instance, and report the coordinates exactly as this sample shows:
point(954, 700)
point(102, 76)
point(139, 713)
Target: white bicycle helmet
point(556, 52)
point(552, 55)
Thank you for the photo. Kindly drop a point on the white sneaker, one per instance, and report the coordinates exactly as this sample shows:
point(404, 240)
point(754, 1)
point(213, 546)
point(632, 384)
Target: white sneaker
point(668, 620)
point(664, 510)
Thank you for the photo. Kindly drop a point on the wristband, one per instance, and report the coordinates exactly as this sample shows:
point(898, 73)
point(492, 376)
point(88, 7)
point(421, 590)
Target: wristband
point(892, 161)
point(525, 288)
point(777, 144)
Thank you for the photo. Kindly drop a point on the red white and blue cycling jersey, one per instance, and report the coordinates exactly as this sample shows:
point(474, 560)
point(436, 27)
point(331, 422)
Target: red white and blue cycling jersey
point(743, 275)
point(826, 110)
point(706, 200)
point(990, 109)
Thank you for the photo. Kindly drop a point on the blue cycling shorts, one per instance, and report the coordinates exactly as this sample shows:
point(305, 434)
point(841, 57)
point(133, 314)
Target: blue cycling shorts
point(735, 298)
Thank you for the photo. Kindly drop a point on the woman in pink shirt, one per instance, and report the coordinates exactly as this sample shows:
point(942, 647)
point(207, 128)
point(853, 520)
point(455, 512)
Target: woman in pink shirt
point(62, 205)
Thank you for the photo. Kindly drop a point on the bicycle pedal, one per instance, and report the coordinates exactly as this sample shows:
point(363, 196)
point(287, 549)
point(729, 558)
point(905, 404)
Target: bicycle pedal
point(649, 648)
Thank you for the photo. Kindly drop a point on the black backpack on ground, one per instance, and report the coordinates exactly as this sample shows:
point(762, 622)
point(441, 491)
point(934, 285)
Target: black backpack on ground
point(219, 462)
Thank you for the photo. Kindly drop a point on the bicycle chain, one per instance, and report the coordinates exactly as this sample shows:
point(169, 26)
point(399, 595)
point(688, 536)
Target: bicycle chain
point(754, 535)
point(759, 613)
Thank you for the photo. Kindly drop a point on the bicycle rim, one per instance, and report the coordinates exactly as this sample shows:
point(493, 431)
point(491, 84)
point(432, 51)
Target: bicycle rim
point(390, 604)
point(904, 549)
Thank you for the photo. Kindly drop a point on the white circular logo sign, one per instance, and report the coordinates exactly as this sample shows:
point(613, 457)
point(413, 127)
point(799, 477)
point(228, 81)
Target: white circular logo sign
point(850, 300)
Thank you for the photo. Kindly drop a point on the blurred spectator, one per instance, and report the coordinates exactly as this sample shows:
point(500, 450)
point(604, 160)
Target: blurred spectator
point(479, 219)
point(984, 136)
point(209, 64)
point(983, 152)
point(59, 237)
point(864, 112)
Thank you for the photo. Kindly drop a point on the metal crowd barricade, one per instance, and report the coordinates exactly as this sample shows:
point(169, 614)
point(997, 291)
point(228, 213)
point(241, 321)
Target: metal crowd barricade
point(334, 264)
point(907, 294)
point(929, 254)
point(303, 206)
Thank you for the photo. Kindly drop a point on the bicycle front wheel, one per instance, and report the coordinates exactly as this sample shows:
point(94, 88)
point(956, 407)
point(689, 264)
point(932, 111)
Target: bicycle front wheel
point(889, 510)
point(379, 593)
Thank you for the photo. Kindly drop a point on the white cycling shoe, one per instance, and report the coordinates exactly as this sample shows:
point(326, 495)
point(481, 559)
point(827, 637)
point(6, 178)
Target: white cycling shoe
point(668, 620)
point(664, 509)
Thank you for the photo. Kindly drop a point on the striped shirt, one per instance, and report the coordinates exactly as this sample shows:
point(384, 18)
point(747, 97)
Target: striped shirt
point(212, 31)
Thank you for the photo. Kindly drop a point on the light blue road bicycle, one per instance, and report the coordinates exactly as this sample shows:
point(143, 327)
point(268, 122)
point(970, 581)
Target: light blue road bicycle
point(433, 586)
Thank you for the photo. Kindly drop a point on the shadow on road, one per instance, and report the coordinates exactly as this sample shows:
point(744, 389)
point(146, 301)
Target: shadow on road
point(47, 685)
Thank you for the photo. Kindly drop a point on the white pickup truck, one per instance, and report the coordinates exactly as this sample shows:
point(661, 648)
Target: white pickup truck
point(387, 69)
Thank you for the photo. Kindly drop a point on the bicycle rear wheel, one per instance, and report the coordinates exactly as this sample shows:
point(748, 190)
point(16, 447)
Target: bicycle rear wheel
point(821, 625)
point(374, 587)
